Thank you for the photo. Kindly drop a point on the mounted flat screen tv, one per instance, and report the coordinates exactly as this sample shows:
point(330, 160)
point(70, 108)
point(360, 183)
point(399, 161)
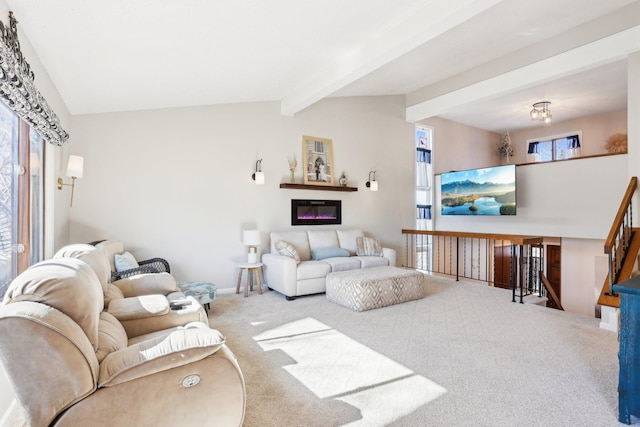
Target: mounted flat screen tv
point(487, 191)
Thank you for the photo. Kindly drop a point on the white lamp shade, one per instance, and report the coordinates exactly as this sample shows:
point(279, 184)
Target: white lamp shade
point(75, 167)
point(374, 185)
point(259, 178)
point(251, 237)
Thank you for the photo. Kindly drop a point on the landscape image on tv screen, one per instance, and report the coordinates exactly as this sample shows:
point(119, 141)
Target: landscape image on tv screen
point(487, 191)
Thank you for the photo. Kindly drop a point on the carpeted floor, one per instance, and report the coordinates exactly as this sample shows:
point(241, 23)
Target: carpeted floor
point(464, 355)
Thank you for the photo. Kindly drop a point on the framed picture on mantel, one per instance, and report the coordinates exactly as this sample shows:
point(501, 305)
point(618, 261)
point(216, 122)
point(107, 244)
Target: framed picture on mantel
point(317, 156)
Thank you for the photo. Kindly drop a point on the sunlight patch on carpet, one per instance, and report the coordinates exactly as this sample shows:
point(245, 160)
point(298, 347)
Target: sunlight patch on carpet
point(334, 366)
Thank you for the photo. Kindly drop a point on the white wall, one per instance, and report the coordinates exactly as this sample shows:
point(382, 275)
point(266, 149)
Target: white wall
point(633, 101)
point(574, 200)
point(177, 183)
point(577, 198)
point(458, 147)
point(595, 130)
point(584, 269)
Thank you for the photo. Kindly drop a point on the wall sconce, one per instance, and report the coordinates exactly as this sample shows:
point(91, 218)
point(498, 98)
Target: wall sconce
point(75, 168)
point(251, 238)
point(258, 175)
point(372, 183)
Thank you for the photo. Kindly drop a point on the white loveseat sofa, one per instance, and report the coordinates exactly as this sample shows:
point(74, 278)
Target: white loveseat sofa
point(315, 249)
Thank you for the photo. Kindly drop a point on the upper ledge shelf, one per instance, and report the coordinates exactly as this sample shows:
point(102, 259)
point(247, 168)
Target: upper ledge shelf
point(317, 187)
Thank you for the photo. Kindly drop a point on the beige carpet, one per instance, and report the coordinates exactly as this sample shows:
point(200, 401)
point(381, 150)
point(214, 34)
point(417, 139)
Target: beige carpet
point(464, 355)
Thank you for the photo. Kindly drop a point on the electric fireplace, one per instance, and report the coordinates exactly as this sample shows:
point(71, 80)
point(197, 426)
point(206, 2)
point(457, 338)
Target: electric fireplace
point(316, 212)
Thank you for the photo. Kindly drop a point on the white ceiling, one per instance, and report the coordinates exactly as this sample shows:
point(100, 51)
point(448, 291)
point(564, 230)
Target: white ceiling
point(121, 55)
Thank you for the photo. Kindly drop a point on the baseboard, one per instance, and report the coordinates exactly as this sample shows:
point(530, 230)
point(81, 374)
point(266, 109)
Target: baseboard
point(609, 318)
point(265, 287)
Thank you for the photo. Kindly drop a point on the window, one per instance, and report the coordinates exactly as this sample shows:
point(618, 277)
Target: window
point(424, 177)
point(21, 196)
point(424, 196)
point(554, 148)
point(36, 197)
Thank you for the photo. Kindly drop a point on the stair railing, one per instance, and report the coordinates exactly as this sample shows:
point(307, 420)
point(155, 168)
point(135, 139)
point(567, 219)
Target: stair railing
point(550, 292)
point(620, 234)
point(471, 256)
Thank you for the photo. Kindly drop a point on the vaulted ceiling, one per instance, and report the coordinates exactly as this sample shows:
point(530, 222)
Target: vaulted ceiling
point(122, 55)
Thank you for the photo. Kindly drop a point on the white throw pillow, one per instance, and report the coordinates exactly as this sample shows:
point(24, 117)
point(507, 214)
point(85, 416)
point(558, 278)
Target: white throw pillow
point(125, 261)
point(286, 249)
point(367, 246)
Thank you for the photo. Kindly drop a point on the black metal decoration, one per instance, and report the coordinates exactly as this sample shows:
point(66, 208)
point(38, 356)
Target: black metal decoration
point(18, 91)
point(10, 38)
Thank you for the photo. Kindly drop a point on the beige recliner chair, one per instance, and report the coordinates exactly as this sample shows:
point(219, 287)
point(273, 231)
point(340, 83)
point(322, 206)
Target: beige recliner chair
point(142, 303)
point(72, 364)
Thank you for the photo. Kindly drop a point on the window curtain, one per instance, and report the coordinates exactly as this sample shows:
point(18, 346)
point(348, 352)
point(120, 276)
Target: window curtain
point(423, 158)
point(573, 141)
point(423, 212)
point(423, 155)
point(18, 91)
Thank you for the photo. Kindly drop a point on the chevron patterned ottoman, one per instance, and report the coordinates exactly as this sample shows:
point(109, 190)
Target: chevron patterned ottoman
point(370, 288)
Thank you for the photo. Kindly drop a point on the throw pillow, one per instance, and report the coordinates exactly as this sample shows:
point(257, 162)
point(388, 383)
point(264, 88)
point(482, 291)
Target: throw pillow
point(286, 249)
point(322, 253)
point(367, 246)
point(125, 261)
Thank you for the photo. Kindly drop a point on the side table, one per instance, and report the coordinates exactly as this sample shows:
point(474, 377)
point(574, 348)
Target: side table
point(204, 292)
point(253, 276)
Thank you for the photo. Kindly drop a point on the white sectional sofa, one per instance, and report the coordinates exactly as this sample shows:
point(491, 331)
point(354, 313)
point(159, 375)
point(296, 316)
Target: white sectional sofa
point(320, 252)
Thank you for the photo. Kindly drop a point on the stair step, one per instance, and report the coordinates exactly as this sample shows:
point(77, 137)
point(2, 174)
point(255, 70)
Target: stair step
point(535, 299)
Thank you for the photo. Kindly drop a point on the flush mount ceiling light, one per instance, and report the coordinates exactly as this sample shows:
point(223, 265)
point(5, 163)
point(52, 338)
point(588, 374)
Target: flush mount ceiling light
point(542, 112)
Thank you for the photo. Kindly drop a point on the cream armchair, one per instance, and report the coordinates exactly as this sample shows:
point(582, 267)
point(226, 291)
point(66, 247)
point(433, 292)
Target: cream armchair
point(142, 303)
point(72, 364)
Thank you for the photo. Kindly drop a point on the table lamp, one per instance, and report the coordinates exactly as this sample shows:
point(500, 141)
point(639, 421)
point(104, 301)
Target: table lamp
point(251, 238)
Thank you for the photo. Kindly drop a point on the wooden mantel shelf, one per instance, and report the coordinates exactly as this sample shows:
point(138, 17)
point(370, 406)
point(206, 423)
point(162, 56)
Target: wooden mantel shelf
point(316, 187)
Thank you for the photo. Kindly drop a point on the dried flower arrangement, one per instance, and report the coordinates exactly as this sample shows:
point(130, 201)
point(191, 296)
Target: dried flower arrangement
point(617, 143)
point(293, 165)
point(504, 147)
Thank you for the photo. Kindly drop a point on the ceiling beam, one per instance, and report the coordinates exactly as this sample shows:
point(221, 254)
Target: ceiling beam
point(418, 27)
point(600, 52)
